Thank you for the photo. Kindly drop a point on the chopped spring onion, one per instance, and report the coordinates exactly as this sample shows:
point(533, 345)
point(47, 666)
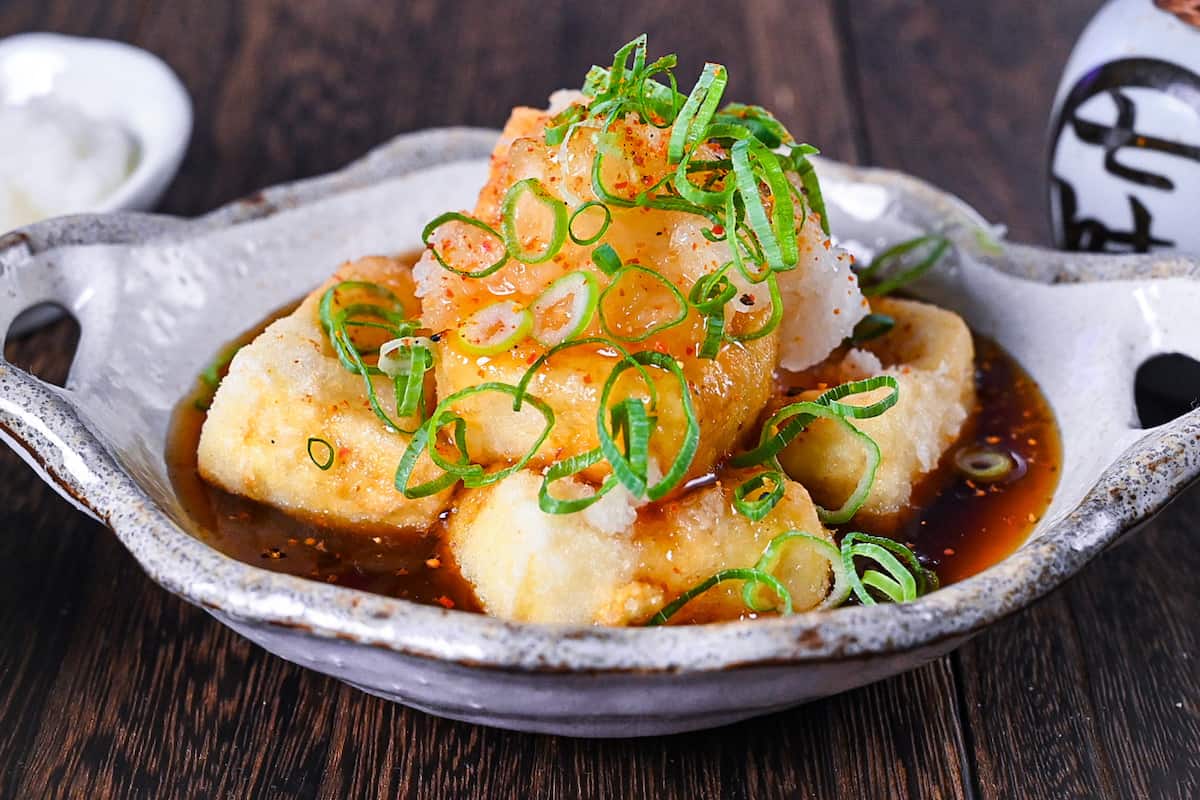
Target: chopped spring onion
point(903, 578)
point(527, 378)
point(566, 468)
point(454, 216)
point(870, 327)
point(406, 360)
point(512, 239)
point(756, 497)
point(495, 328)
point(708, 296)
point(387, 316)
point(809, 182)
point(790, 420)
point(845, 512)
point(398, 357)
point(744, 574)
point(770, 560)
point(631, 467)
point(772, 322)
point(830, 397)
point(892, 261)
point(606, 258)
point(697, 111)
point(565, 308)
point(985, 464)
point(633, 270)
point(472, 475)
point(322, 463)
point(600, 231)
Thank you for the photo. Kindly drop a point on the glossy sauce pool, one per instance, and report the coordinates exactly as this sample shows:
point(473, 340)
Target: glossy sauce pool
point(955, 526)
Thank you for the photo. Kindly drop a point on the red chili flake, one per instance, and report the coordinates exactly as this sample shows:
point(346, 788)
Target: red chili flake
point(660, 347)
point(718, 230)
point(445, 602)
point(587, 378)
point(400, 573)
point(949, 551)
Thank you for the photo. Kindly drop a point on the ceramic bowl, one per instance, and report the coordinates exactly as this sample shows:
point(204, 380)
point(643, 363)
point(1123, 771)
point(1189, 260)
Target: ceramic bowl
point(112, 81)
point(155, 297)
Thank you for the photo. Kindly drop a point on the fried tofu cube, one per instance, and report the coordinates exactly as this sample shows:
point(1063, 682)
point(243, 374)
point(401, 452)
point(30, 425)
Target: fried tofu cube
point(288, 386)
point(931, 355)
point(613, 565)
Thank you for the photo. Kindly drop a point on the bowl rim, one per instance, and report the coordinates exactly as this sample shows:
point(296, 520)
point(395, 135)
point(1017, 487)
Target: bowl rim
point(42, 425)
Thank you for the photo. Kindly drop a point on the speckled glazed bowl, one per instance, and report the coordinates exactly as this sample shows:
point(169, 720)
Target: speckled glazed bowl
point(156, 296)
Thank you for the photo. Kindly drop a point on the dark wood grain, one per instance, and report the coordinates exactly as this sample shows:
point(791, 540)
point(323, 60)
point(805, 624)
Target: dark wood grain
point(110, 687)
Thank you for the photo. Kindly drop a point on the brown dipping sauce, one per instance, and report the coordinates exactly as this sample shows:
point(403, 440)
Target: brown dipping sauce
point(956, 527)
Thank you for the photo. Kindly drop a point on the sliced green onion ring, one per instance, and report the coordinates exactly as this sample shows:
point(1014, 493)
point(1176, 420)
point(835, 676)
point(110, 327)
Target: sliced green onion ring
point(985, 464)
point(566, 468)
point(472, 475)
point(830, 397)
point(697, 111)
point(606, 258)
point(788, 422)
point(579, 292)
point(711, 292)
point(626, 471)
point(321, 463)
point(743, 574)
point(756, 497)
point(508, 225)
point(494, 328)
point(770, 560)
point(895, 255)
point(651, 330)
point(773, 321)
point(903, 581)
point(582, 240)
point(600, 341)
point(454, 216)
point(808, 180)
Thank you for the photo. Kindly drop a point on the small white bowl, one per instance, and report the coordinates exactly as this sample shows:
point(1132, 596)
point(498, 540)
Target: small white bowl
point(113, 81)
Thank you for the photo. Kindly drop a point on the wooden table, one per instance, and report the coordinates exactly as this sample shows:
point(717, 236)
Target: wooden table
point(109, 686)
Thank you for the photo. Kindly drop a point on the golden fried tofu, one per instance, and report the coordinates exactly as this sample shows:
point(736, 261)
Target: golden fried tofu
point(613, 565)
point(728, 391)
point(930, 353)
point(288, 386)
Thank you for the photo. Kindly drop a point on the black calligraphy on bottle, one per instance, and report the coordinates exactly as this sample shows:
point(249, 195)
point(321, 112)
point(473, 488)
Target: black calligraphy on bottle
point(1076, 233)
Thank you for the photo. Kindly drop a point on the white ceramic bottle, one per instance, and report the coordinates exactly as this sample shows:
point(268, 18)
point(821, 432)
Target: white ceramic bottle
point(1124, 166)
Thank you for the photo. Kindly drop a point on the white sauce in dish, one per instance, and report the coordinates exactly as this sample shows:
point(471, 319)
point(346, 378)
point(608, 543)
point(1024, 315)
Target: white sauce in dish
point(55, 159)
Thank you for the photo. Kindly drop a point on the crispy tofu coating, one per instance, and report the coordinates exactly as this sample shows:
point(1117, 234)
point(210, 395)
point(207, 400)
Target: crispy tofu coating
point(930, 353)
point(610, 565)
point(288, 386)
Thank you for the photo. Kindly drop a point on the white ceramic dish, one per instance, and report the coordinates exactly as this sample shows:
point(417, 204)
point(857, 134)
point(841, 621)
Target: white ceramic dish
point(111, 81)
point(155, 296)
